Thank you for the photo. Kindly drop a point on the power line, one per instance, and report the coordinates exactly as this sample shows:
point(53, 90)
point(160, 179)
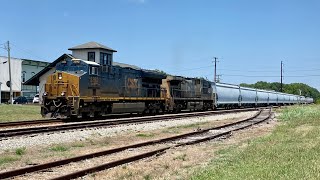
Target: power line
point(27, 52)
point(313, 75)
point(234, 75)
point(248, 70)
point(192, 68)
point(303, 70)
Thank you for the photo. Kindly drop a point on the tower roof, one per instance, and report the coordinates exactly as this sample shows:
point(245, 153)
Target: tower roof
point(92, 45)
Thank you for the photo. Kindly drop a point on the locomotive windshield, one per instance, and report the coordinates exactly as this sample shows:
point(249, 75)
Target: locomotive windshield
point(72, 66)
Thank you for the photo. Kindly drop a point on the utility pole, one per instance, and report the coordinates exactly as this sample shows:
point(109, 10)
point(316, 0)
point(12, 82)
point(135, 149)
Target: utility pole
point(215, 69)
point(219, 78)
point(281, 85)
point(10, 80)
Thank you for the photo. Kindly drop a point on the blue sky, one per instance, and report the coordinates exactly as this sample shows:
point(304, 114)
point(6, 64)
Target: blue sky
point(181, 37)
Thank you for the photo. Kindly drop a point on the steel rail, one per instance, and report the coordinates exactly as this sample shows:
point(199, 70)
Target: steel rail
point(149, 154)
point(35, 168)
point(82, 125)
point(54, 120)
point(31, 122)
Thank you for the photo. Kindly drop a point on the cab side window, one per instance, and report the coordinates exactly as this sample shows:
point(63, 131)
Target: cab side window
point(93, 70)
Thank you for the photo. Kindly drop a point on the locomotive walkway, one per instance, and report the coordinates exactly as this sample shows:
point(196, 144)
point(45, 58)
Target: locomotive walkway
point(166, 143)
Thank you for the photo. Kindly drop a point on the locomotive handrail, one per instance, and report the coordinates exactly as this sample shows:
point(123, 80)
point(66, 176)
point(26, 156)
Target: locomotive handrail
point(178, 93)
point(77, 91)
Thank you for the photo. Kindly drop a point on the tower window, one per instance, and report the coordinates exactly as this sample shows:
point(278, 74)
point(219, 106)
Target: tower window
point(105, 59)
point(91, 56)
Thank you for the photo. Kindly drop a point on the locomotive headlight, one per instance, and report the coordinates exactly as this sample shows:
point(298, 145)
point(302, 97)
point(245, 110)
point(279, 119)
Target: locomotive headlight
point(63, 93)
point(45, 93)
point(59, 76)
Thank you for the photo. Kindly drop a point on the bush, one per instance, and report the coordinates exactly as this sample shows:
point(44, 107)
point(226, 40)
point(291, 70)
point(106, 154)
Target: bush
point(59, 148)
point(21, 151)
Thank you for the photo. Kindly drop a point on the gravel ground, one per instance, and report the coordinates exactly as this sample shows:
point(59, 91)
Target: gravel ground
point(83, 134)
point(182, 162)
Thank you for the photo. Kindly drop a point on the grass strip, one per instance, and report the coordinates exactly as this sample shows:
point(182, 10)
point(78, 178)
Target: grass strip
point(292, 151)
point(10, 113)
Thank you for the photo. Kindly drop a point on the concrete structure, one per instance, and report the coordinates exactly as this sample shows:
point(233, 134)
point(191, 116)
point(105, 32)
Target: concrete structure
point(21, 71)
point(95, 52)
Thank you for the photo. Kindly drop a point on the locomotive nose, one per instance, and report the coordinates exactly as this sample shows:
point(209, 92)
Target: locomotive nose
point(61, 94)
point(61, 84)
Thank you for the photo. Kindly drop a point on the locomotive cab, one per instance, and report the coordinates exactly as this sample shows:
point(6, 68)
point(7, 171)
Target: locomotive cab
point(61, 97)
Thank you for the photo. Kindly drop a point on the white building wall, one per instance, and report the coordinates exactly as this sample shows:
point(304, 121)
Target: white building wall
point(83, 54)
point(43, 80)
point(15, 74)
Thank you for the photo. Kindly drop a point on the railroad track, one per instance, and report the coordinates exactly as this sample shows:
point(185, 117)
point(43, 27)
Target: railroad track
point(54, 120)
point(72, 126)
point(169, 142)
point(31, 122)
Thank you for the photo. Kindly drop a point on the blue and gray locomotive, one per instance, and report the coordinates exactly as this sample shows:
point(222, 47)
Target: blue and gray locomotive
point(84, 88)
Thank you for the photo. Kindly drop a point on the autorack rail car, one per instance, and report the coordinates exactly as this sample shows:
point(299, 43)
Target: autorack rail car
point(85, 88)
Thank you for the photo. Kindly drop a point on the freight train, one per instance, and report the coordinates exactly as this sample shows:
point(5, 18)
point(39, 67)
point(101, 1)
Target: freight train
point(85, 88)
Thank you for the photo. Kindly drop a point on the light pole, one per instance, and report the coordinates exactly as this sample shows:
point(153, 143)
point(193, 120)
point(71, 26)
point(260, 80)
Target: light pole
point(10, 80)
point(7, 47)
